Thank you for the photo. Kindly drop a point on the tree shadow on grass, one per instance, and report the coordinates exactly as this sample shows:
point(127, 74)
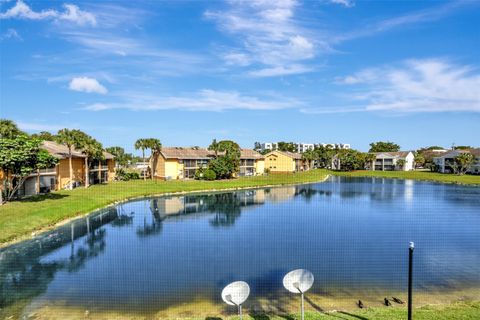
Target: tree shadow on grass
point(352, 315)
point(43, 197)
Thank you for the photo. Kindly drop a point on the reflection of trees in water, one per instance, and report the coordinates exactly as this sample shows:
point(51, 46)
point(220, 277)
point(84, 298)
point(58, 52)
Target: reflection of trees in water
point(155, 226)
point(123, 218)
point(23, 274)
point(226, 207)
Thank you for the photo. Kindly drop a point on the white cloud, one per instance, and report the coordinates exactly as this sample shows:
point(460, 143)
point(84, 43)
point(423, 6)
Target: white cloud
point(345, 3)
point(10, 34)
point(280, 71)
point(203, 100)
point(269, 37)
point(89, 85)
point(430, 85)
point(71, 13)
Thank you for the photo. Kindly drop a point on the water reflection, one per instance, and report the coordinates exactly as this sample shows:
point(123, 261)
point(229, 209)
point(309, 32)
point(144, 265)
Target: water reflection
point(351, 233)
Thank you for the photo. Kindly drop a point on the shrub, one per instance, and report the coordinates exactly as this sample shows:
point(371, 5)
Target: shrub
point(123, 175)
point(209, 175)
point(205, 174)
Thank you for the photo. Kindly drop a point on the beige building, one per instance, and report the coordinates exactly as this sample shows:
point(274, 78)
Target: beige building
point(283, 161)
point(58, 177)
point(182, 163)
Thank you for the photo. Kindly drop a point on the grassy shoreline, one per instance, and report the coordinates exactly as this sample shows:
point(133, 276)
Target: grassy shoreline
point(460, 310)
point(19, 219)
point(414, 175)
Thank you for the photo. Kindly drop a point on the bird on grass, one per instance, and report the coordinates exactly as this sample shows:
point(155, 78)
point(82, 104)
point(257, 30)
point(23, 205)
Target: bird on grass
point(387, 302)
point(360, 304)
point(397, 300)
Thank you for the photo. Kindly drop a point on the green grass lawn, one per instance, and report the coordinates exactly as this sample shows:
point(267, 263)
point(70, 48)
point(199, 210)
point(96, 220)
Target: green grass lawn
point(457, 311)
point(415, 175)
point(18, 219)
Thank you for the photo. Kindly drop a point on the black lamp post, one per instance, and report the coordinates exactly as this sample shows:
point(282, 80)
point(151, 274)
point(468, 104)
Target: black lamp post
point(410, 275)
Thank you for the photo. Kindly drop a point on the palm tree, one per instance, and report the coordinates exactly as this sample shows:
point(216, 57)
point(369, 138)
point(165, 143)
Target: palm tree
point(142, 144)
point(69, 138)
point(215, 147)
point(155, 147)
point(9, 130)
point(309, 156)
point(92, 149)
point(370, 160)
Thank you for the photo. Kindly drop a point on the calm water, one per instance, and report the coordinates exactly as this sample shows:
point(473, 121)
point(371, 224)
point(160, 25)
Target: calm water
point(352, 234)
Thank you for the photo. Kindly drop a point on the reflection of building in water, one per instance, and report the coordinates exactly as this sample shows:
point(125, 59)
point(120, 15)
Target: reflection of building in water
point(280, 194)
point(170, 206)
point(25, 268)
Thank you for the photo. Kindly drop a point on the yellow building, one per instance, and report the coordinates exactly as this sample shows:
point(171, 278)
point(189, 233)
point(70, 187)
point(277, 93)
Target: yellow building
point(283, 161)
point(58, 177)
point(182, 163)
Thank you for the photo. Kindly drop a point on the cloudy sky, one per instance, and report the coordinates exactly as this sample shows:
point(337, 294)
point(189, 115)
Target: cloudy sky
point(259, 70)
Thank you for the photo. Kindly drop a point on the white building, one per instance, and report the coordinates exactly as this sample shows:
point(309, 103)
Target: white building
point(445, 162)
point(390, 161)
point(303, 147)
point(334, 145)
point(268, 146)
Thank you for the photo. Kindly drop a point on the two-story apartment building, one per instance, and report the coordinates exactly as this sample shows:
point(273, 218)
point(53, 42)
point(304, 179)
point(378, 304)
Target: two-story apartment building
point(445, 162)
point(283, 161)
point(58, 177)
point(390, 161)
point(183, 162)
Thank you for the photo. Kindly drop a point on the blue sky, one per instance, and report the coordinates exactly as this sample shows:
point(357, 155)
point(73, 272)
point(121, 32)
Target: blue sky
point(189, 71)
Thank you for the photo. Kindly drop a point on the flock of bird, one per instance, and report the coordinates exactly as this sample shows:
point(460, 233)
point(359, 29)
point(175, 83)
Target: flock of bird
point(386, 302)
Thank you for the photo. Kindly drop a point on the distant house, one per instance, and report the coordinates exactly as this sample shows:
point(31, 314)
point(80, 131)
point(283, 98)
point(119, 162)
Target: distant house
point(390, 161)
point(445, 162)
point(284, 161)
point(182, 163)
point(58, 177)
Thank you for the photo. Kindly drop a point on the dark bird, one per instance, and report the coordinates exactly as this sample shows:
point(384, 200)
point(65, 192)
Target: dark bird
point(360, 304)
point(398, 300)
point(387, 302)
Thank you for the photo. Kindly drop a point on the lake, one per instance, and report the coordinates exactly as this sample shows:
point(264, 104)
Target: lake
point(157, 253)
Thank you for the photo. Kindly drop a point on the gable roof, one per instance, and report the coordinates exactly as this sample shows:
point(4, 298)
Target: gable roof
point(202, 153)
point(398, 154)
point(60, 151)
point(293, 155)
point(454, 153)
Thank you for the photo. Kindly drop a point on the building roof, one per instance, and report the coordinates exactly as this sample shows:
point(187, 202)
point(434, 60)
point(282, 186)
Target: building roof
point(202, 153)
point(398, 154)
point(454, 153)
point(60, 151)
point(293, 155)
point(250, 154)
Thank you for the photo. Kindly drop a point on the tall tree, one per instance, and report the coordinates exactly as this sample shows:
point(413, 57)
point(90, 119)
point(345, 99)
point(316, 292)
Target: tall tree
point(142, 144)
point(287, 146)
point(382, 146)
point(122, 159)
point(71, 139)
point(155, 147)
point(44, 136)
point(462, 162)
point(309, 156)
point(215, 147)
point(93, 150)
point(18, 157)
point(9, 129)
